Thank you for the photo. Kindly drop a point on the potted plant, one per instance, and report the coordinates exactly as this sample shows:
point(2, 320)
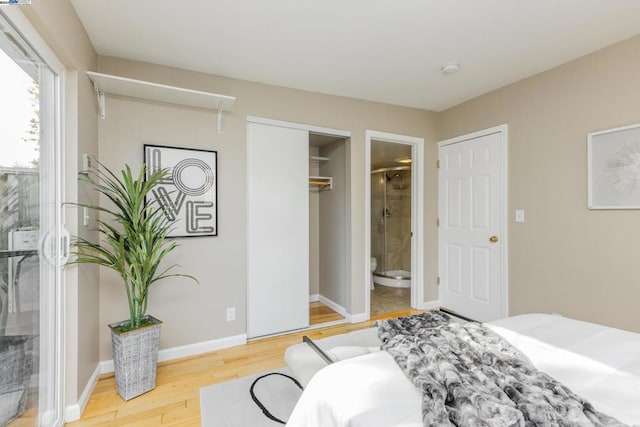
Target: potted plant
point(133, 242)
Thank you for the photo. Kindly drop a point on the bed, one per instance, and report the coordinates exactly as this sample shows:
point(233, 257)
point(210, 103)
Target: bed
point(368, 388)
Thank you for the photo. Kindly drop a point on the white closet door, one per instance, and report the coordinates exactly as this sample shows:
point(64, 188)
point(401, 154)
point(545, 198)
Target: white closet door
point(278, 229)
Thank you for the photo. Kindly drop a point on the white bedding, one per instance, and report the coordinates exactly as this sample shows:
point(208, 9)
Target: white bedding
point(599, 363)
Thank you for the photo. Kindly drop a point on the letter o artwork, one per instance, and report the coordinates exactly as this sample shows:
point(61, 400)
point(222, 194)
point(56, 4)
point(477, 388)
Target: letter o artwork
point(196, 211)
point(184, 186)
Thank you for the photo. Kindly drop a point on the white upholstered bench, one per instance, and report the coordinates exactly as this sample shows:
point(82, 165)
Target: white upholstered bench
point(304, 362)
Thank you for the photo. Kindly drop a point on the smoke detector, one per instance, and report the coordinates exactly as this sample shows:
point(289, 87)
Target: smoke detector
point(450, 68)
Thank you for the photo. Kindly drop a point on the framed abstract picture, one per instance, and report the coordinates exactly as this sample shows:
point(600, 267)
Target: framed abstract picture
point(614, 168)
point(188, 196)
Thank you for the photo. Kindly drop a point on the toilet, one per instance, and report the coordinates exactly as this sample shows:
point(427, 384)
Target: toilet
point(373, 266)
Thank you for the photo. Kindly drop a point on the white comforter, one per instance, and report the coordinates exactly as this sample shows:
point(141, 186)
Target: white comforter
point(599, 363)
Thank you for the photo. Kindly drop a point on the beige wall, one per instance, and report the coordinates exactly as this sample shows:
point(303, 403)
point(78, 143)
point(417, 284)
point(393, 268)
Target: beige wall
point(565, 258)
point(314, 228)
point(194, 313)
point(59, 25)
point(334, 262)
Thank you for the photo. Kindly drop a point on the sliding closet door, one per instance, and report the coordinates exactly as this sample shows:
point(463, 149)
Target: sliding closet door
point(278, 229)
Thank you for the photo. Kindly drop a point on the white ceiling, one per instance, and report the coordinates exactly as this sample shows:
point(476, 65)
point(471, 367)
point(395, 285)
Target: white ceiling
point(384, 154)
point(381, 50)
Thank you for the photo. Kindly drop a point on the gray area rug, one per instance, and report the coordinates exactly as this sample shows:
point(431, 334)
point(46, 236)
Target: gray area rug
point(229, 404)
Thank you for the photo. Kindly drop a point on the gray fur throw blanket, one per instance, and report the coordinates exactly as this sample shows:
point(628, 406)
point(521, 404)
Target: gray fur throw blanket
point(470, 376)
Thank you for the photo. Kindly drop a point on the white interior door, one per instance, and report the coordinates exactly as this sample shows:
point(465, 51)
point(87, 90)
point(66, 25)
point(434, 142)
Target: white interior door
point(471, 236)
point(278, 229)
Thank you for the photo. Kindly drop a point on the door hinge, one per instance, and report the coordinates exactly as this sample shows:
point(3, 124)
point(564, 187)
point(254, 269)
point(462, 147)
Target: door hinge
point(438, 164)
point(438, 281)
point(438, 222)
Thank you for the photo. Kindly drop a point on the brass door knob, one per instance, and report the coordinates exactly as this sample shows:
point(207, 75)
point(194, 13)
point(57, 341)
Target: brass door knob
point(493, 239)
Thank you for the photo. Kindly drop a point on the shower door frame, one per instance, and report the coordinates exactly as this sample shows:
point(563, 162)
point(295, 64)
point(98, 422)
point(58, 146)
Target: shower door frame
point(417, 214)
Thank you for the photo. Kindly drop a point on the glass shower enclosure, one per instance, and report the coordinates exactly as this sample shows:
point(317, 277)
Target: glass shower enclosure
point(391, 225)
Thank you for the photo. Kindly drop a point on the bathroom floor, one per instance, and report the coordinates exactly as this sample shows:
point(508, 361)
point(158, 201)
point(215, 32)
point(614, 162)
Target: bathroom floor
point(386, 298)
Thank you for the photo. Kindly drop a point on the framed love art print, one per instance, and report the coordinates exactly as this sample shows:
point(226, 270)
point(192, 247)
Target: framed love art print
point(188, 196)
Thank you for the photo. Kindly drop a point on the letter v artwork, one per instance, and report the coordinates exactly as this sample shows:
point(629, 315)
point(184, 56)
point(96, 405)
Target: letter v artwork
point(188, 196)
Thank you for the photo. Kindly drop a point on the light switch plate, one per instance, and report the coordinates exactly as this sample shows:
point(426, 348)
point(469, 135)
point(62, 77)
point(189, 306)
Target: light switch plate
point(519, 215)
point(85, 216)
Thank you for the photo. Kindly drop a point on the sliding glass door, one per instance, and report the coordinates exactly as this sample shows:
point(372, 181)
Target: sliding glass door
point(31, 252)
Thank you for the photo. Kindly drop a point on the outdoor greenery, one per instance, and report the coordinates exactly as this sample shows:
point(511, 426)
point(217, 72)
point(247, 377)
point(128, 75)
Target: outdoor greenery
point(33, 133)
point(133, 234)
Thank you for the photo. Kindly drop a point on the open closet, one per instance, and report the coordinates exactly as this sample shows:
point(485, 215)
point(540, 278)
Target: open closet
point(328, 225)
point(297, 216)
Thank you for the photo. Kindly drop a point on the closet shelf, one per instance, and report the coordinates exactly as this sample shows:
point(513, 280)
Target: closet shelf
point(321, 182)
point(318, 159)
point(106, 83)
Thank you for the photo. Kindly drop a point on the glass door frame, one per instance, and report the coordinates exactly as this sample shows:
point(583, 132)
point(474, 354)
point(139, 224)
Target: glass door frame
point(56, 247)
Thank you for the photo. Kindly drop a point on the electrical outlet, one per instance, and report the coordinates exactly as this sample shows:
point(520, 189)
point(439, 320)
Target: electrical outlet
point(231, 314)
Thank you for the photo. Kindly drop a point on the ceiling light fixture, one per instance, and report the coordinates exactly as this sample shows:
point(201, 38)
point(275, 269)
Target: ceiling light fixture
point(450, 68)
point(403, 160)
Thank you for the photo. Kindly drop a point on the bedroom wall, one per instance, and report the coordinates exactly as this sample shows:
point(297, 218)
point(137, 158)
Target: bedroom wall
point(58, 24)
point(565, 258)
point(196, 313)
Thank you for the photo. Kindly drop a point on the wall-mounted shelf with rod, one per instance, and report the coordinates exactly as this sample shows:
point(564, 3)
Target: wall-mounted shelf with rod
point(321, 182)
point(105, 83)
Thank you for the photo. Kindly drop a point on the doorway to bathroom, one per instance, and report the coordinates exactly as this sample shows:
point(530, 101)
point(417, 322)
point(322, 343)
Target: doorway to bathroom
point(394, 219)
point(390, 228)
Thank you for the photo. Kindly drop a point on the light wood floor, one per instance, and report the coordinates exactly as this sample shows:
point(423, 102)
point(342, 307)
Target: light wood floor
point(320, 313)
point(176, 401)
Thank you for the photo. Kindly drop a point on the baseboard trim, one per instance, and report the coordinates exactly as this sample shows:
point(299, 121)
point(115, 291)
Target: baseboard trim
point(314, 297)
point(334, 306)
point(429, 305)
point(360, 317)
point(74, 411)
point(201, 347)
point(106, 366)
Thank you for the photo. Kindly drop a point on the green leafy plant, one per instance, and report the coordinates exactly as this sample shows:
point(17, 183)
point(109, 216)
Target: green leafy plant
point(133, 234)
